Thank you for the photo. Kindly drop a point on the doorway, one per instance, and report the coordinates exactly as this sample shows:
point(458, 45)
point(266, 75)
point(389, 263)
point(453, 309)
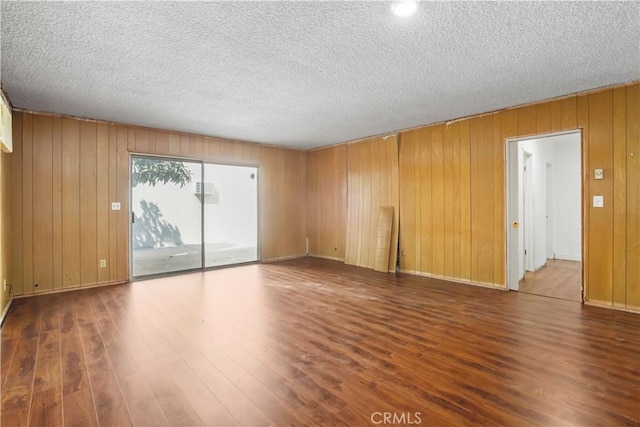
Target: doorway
point(544, 218)
point(190, 215)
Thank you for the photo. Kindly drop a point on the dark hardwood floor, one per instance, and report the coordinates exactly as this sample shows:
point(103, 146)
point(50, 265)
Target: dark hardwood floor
point(315, 342)
point(557, 279)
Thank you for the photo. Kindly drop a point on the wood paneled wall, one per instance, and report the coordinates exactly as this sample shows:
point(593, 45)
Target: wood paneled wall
point(67, 171)
point(452, 193)
point(5, 228)
point(327, 201)
point(453, 201)
point(372, 181)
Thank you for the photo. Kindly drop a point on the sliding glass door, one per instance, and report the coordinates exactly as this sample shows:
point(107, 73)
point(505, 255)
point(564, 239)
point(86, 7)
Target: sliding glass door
point(189, 215)
point(166, 234)
point(230, 214)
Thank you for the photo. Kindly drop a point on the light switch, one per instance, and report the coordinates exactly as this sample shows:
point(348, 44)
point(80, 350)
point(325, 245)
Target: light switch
point(598, 174)
point(598, 201)
point(115, 206)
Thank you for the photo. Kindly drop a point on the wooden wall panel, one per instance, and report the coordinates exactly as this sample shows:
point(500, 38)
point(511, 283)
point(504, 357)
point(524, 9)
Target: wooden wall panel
point(122, 194)
point(42, 203)
point(282, 214)
point(372, 170)
point(610, 127)
point(103, 206)
point(68, 171)
point(112, 263)
point(88, 201)
point(56, 173)
point(327, 201)
point(632, 277)
point(70, 202)
point(619, 197)
point(27, 202)
point(408, 230)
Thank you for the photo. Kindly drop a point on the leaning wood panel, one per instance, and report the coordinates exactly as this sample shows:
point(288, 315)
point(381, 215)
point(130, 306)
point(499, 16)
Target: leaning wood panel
point(103, 207)
point(601, 219)
point(43, 203)
point(633, 197)
point(88, 198)
point(70, 202)
point(27, 203)
point(57, 202)
point(619, 197)
point(383, 238)
point(16, 201)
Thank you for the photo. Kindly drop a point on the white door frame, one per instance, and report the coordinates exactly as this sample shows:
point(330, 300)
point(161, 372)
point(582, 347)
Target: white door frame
point(512, 208)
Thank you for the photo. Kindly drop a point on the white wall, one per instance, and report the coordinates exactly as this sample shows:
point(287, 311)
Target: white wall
point(231, 219)
point(567, 199)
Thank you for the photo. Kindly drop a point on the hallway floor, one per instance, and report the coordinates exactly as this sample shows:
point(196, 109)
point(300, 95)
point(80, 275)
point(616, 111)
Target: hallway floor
point(558, 279)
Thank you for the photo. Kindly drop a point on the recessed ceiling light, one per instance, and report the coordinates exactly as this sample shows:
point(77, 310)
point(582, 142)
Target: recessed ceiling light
point(404, 8)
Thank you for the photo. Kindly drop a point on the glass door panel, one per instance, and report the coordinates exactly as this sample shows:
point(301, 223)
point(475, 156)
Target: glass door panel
point(166, 234)
point(230, 195)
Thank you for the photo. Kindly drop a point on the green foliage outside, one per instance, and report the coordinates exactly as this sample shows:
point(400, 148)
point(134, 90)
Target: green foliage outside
point(152, 172)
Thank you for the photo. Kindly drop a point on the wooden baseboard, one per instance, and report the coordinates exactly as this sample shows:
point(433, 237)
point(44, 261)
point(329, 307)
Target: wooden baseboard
point(331, 258)
point(77, 288)
point(454, 280)
point(283, 258)
point(609, 305)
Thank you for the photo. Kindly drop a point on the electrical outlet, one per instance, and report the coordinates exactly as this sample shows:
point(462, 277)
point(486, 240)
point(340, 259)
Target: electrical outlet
point(103, 263)
point(115, 206)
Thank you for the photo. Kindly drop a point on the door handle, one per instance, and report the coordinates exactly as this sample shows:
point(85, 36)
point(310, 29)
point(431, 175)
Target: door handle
point(133, 217)
point(516, 224)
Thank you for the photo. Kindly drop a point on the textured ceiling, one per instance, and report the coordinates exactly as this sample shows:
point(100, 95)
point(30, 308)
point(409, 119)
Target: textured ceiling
point(306, 74)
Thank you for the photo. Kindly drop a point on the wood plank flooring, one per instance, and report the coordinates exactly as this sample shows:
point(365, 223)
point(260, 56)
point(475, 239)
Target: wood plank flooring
point(557, 279)
point(315, 342)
